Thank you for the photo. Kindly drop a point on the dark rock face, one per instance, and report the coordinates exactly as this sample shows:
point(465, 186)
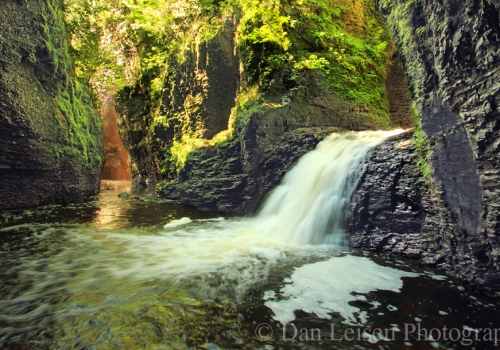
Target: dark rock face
point(216, 179)
point(454, 165)
point(453, 58)
point(51, 147)
point(398, 94)
point(205, 85)
point(199, 96)
point(388, 214)
point(134, 132)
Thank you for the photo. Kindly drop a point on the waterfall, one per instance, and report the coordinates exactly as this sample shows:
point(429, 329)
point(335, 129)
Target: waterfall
point(313, 205)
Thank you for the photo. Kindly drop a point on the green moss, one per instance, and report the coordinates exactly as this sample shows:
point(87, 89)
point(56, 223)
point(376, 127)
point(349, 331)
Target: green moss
point(76, 109)
point(320, 35)
point(78, 119)
point(422, 145)
point(248, 102)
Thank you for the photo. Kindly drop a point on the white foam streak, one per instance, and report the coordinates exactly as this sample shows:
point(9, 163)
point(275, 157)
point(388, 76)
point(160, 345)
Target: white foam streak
point(178, 222)
point(327, 287)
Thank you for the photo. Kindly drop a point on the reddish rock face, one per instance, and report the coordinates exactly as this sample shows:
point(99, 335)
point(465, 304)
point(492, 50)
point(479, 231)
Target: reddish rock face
point(117, 165)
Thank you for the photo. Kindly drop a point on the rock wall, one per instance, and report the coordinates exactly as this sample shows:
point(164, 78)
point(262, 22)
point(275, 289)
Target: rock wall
point(389, 213)
point(135, 130)
point(398, 94)
point(198, 97)
point(452, 56)
point(51, 147)
point(201, 91)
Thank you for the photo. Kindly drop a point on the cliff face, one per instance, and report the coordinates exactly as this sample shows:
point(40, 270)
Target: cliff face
point(198, 97)
point(237, 110)
point(452, 57)
point(116, 166)
point(51, 147)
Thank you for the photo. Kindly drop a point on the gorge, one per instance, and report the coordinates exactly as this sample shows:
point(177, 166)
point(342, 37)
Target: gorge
point(211, 109)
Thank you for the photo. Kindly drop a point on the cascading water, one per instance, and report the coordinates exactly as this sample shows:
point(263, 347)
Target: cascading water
point(313, 203)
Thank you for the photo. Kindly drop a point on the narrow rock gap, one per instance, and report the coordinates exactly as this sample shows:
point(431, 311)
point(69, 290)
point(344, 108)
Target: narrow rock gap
point(116, 166)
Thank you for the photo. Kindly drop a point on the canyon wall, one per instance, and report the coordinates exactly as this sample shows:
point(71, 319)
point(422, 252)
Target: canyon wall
point(51, 149)
point(451, 51)
point(116, 166)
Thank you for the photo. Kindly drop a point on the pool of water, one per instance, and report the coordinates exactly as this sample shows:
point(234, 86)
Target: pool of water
point(140, 272)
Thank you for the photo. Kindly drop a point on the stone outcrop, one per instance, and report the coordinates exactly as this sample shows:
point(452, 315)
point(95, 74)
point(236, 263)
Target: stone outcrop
point(216, 178)
point(234, 177)
point(51, 147)
point(389, 214)
point(452, 56)
point(202, 90)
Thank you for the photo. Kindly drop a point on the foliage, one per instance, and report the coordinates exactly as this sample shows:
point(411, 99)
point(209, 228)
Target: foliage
point(116, 43)
point(321, 36)
point(289, 35)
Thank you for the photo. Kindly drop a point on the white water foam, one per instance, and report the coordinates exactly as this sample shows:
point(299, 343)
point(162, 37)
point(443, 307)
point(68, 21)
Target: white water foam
point(327, 286)
point(178, 222)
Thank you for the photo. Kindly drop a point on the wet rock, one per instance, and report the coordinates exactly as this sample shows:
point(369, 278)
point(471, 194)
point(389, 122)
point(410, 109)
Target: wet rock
point(388, 213)
point(51, 149)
